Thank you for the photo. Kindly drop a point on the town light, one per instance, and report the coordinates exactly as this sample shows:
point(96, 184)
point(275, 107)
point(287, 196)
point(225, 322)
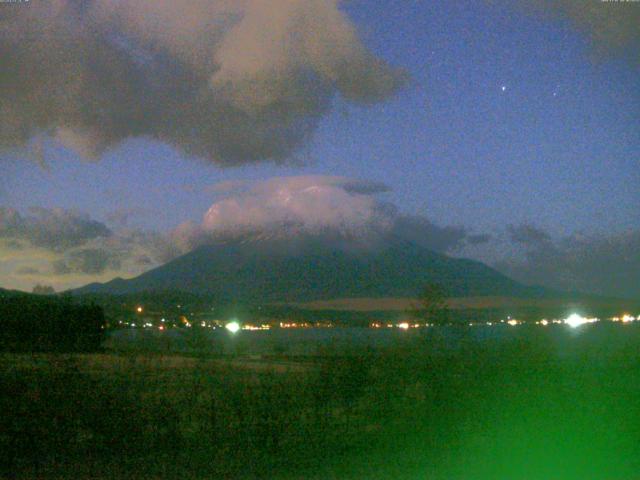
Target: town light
point(574, 320)
point(233, 327)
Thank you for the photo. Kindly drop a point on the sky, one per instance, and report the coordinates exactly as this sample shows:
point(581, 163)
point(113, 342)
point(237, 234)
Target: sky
point(515, 126)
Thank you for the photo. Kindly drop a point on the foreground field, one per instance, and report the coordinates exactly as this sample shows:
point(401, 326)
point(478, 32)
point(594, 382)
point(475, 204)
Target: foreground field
point(546, 404)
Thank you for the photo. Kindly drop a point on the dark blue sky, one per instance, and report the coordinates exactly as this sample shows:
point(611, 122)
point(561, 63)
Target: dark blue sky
point(508, 118)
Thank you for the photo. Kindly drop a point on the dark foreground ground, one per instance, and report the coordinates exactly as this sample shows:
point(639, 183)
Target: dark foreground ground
point(546, 404)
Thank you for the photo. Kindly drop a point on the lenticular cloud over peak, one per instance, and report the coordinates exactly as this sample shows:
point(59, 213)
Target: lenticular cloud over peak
point(308, 204)
point(313, 206)
point(235, 82)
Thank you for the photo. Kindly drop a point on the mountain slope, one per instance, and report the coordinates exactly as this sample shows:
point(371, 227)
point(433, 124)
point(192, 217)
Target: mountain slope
point(304, 269)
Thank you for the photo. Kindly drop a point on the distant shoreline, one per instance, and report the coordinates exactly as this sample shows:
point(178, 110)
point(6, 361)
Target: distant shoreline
point(402, 304)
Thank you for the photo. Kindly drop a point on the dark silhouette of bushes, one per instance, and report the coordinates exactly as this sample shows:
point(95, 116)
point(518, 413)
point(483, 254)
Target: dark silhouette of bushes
point(49, 324)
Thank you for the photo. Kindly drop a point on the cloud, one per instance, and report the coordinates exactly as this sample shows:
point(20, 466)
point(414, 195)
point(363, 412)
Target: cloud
point(424, 232)
point(309, 204)
point(122, 216)
point(234, 82)
point(50, 228)
point(227, 187)
point(478, 239)
point(136, 249)
point(27, 271)
point(601, 264)
point(526, 234)
point(144, 260)
point(612, 26)
point(90, 261)
point(54, 242)
point(363, 187)
point(312, 204)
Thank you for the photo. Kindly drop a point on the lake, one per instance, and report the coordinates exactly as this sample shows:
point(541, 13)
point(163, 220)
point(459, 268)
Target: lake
point(562, 339)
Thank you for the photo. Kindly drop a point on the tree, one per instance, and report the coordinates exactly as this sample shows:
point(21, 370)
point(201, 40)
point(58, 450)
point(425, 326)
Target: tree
point(432, 306)
point(43, 290)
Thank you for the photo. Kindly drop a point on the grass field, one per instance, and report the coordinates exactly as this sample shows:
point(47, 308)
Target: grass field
point(548, 404)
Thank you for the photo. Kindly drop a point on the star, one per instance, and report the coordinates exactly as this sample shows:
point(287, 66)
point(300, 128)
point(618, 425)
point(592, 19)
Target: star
point(503, 88)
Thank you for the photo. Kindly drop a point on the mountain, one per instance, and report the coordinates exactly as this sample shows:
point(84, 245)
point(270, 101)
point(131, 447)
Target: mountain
point(305, 268)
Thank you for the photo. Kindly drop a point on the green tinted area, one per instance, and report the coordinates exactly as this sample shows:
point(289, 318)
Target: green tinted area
point(547, 405)
point(542, 403)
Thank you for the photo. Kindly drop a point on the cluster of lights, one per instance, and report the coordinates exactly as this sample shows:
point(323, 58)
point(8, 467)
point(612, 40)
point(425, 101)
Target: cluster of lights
point(626, 318)
point(512, 322)
point(401, 325)
point(295, 325)
point(254, 328)
point(544, 322)
point(574, 320)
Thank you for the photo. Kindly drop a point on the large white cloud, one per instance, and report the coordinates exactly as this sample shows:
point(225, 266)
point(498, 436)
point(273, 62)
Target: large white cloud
point(313, 205)
point(310, 204)
point(234, 81)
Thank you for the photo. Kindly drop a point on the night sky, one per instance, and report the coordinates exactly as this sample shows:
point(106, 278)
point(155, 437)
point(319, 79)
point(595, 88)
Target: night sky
point(516, 128)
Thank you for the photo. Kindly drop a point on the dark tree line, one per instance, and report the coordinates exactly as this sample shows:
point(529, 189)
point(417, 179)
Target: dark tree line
point(44, 324)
